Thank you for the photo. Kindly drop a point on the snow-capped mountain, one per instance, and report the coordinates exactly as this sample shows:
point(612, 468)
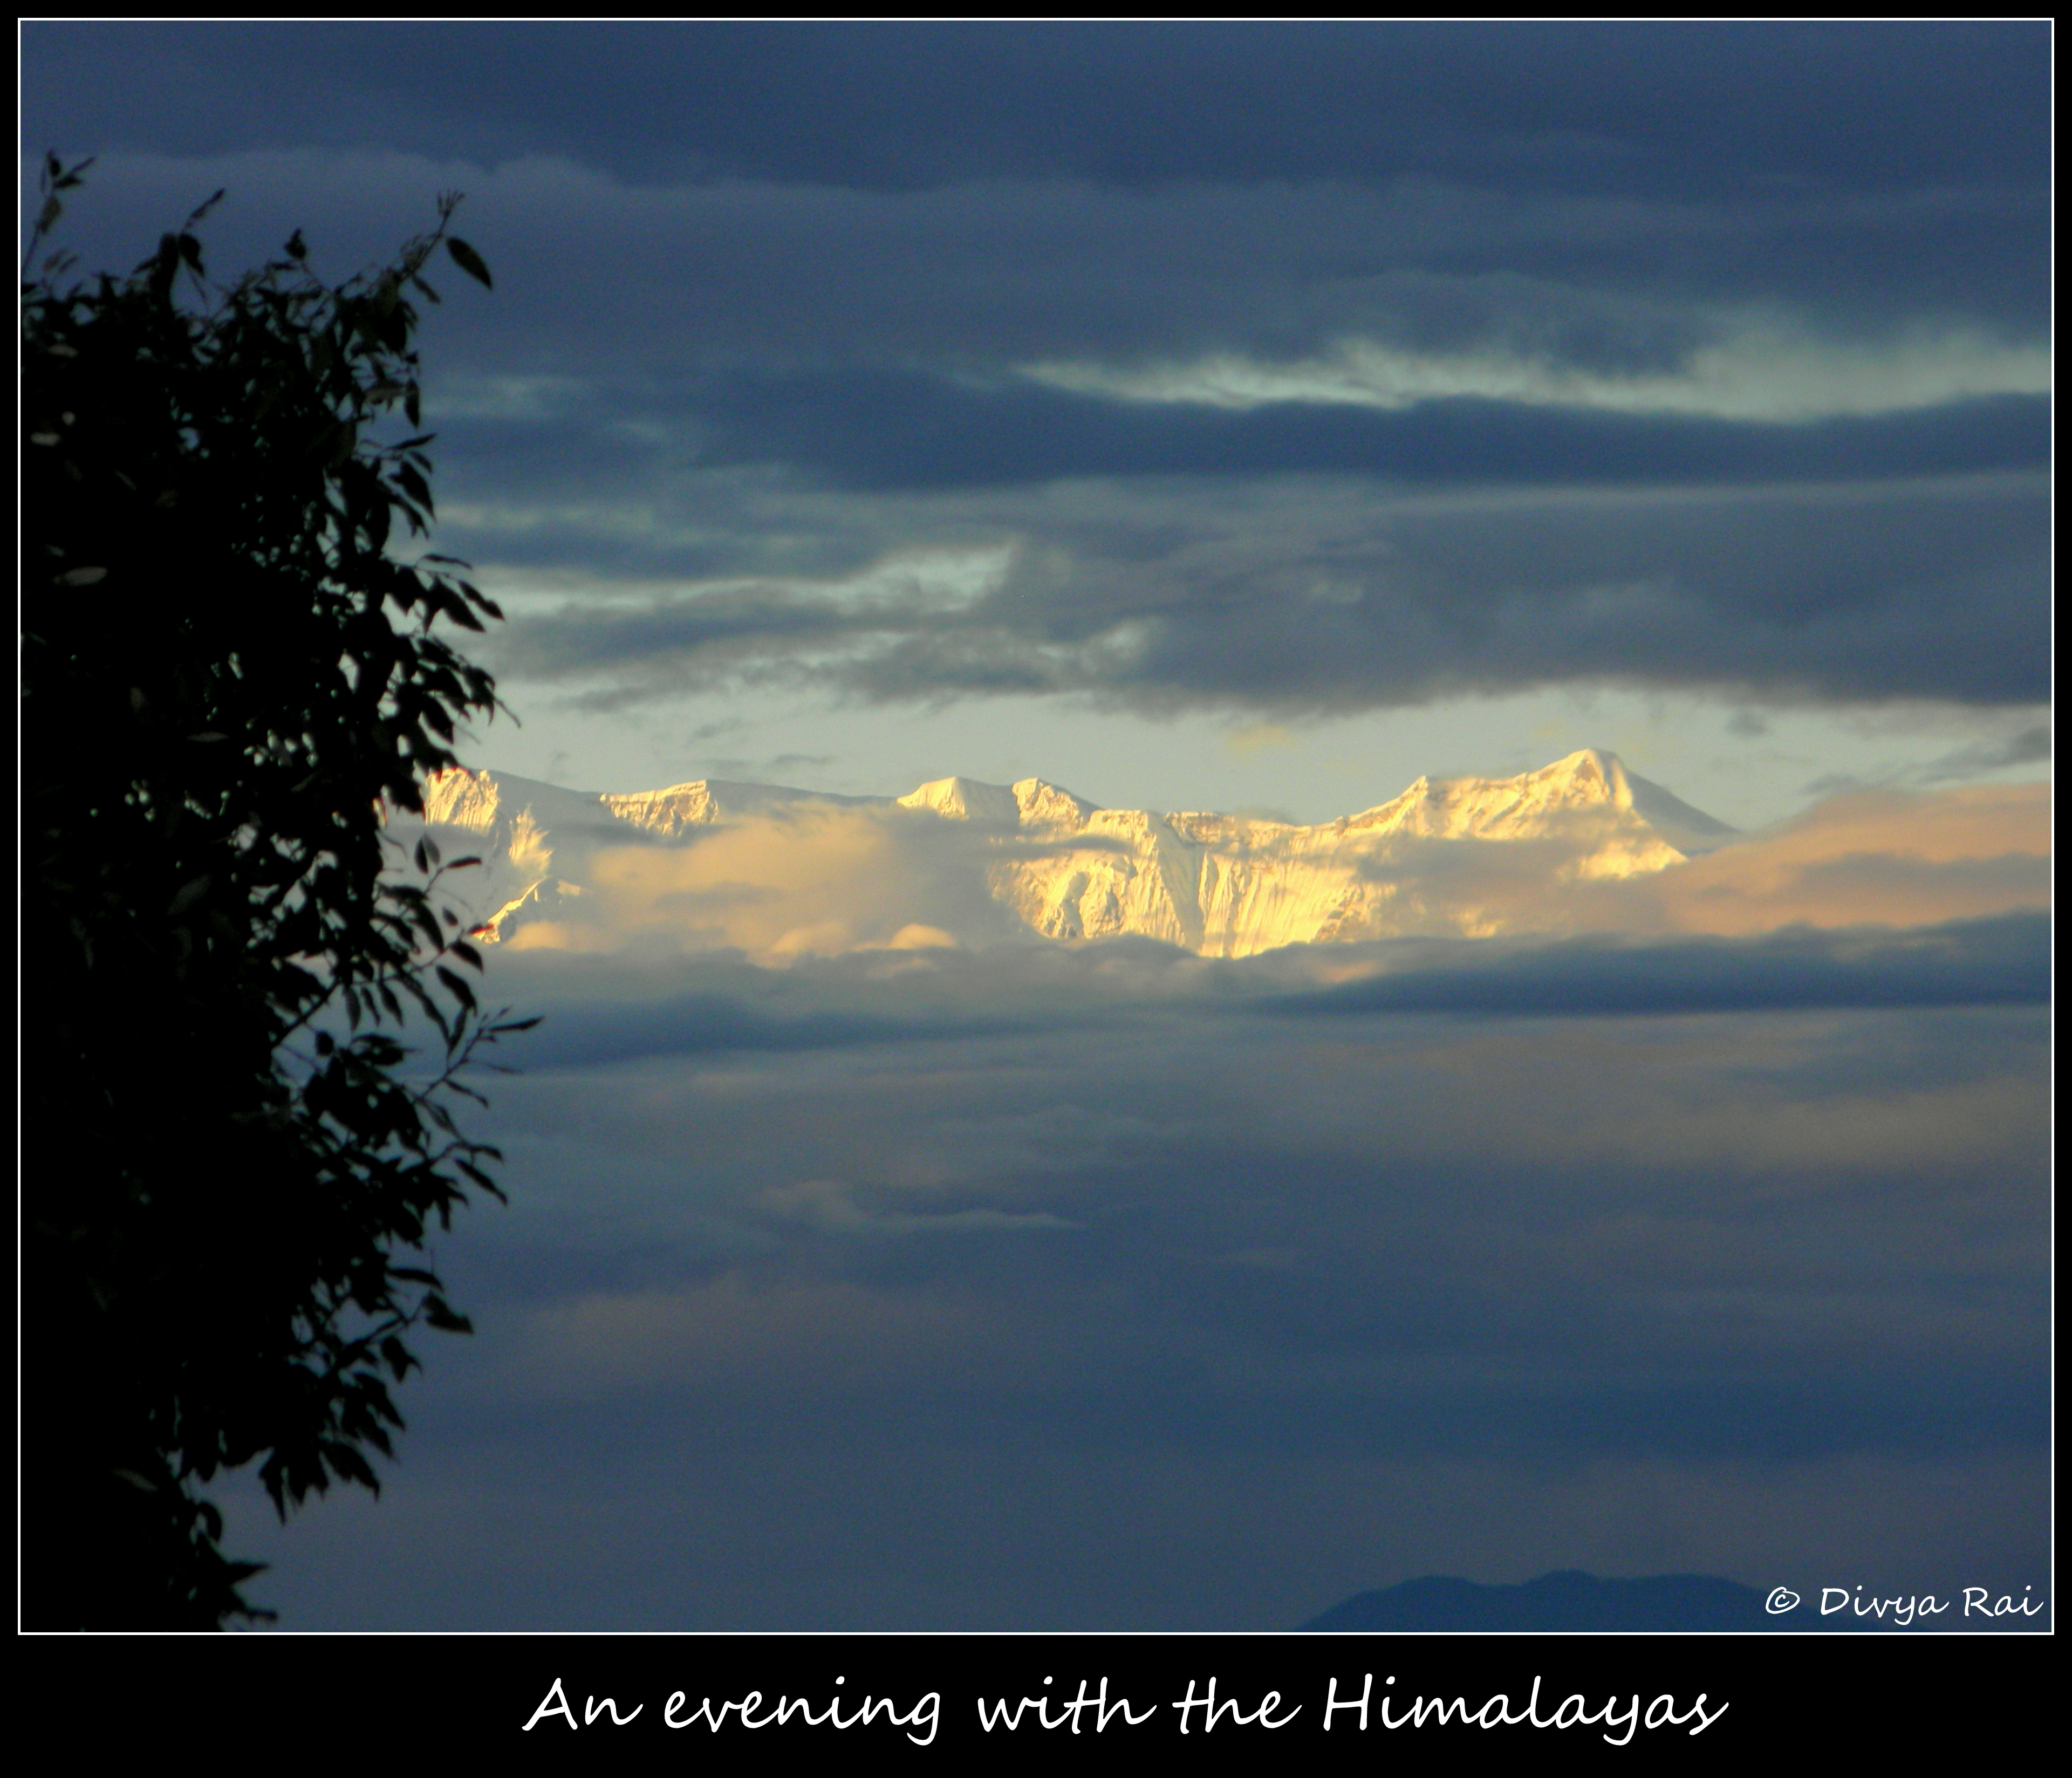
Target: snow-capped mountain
point(1456, 855)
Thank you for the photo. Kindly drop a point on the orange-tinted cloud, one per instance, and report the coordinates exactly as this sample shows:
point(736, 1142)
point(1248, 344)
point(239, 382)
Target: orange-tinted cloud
point(1885, 857)
point(816, 881)
point(821, 881)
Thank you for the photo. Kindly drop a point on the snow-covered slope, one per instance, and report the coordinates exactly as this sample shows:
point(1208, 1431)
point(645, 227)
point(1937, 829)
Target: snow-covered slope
point(1225, 886)
point(537, 841)
point(1458, 855)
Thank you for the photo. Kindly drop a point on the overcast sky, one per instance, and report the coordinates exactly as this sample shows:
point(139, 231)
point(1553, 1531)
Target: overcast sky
point(1240, 416)
point(1197, 416)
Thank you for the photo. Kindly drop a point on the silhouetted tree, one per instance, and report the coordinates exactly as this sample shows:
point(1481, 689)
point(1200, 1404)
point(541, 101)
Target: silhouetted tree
point(227, 676)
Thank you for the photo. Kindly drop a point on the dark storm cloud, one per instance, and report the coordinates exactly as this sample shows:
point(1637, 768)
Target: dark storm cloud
point(1704, 257)
point(1684, 107)
point(2031, 746)
point(886, 431)
point(1321, 594)
point(2000, 962)
point(885, 196)
point(642, 287)
point(608, 278)
point(2003, 962)
point(972, 275)
point(594, 1036)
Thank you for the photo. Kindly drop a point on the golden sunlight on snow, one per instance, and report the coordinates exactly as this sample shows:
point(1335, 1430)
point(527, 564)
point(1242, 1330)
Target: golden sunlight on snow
point(1579, 846)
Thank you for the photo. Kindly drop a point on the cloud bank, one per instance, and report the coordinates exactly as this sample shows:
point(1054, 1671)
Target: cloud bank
point(1110, 1288)
point(1560, 389)
point(818, 879)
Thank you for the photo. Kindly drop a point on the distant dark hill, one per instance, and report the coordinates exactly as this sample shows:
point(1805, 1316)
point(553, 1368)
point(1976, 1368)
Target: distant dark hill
point(1568, 1600)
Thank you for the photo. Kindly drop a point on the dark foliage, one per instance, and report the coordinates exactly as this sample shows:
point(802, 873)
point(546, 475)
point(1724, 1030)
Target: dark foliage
point(230, 1151)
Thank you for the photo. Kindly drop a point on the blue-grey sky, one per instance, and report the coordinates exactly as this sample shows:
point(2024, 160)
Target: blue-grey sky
point(1224, 415)
point(1241, 416)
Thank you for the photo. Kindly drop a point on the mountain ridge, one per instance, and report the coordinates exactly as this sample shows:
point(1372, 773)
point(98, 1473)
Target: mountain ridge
point(1070, 870)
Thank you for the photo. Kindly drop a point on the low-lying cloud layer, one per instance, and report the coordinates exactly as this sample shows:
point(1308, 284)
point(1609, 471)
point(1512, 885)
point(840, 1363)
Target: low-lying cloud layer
point(1711, 1239)
point(1005, 1263)
point(1892, 859)
point(1105, 1286)
point(822, 878)
point(826, 880)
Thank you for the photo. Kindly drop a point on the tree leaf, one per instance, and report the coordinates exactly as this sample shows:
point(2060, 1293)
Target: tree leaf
point(469, 261)
point(224, 968)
